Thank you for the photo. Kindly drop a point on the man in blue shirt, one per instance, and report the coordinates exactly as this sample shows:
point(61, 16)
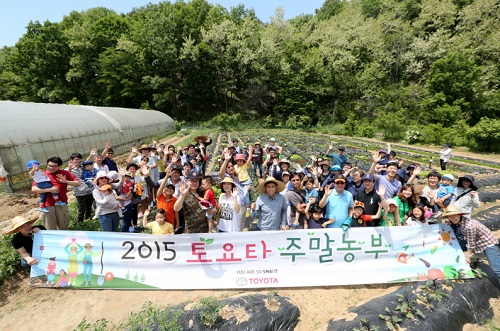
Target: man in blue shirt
point(271, 206)
point(337, 158)
point(338, 202)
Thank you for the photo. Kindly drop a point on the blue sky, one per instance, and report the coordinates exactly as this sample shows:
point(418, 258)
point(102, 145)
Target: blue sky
point(15, 15)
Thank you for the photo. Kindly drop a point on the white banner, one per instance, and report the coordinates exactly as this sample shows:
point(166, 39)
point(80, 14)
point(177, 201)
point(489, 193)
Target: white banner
point(297, 258)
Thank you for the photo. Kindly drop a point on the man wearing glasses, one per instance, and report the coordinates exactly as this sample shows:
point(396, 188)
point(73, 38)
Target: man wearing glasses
point(58, 216)
point(107, 155)
point(338, 202)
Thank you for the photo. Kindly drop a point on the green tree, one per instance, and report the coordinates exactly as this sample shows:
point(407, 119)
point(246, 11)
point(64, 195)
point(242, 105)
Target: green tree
point(486, 133)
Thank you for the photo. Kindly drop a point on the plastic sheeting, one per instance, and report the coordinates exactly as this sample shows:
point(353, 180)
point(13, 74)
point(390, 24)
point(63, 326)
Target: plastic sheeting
point(468, 302)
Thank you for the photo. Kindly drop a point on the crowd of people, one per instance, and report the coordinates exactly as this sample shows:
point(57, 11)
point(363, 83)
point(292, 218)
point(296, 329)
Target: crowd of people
point(328, 192)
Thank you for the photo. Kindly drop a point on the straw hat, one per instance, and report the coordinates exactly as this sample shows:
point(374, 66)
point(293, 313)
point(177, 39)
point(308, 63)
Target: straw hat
point(418, 189)
point(453, 210)
point(144, 146)
point(204, 138)
point(256, 143)
point(284, 161)
point(18, 221)
point(226, 180)
point(88, 245)
point(262, 185)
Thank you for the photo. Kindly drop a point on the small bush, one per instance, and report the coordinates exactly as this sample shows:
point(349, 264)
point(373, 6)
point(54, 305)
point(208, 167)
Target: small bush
point(486, 134)
point(209, 310)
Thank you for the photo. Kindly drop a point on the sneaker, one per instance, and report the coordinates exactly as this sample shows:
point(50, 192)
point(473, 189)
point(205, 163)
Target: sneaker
point(43, 210)
point(95, 217)
point(60, 203)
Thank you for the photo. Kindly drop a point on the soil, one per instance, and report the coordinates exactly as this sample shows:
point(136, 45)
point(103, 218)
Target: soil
point(46, 309)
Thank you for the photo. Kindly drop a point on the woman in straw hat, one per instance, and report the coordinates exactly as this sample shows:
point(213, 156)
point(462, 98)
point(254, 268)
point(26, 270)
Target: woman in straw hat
point(271, 206)
point(229, 205)
point(23, 240)
point(478, 237)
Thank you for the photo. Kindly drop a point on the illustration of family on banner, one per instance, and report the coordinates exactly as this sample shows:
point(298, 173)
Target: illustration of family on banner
point(324, 257)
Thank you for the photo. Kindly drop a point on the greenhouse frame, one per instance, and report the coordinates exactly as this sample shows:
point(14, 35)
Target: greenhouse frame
point(36, 131)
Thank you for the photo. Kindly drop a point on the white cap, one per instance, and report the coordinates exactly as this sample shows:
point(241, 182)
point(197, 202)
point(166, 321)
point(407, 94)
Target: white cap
point(392, 202)
point(448, 176)
point(272, 139)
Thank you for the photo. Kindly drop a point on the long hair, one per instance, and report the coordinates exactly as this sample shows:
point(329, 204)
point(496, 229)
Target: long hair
point(400, 194)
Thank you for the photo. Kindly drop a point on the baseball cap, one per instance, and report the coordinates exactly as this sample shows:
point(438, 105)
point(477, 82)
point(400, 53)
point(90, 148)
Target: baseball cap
point(86, 163)
point(193, 175)
point(448, 176)
point(105, 187)
point(335, 168)
point(32, 163)
point(129, 174)
point(369, 177)
point(341, 148)
point(392, 202)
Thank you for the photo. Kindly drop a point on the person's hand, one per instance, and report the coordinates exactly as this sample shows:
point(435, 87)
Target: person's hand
point(400, 162)
point(276, 161)
point(417, 171)
point(62, 179)
point(234, 192)
point(381, 190)
point(71, 166)
point(134, 150)
point(174, 158)
point(252, 206)
point(154, 142)
point(145, 170)
point(227, 156)
point(108, 145)
point(330, 146)
point(467, 259)
point(30, 261)
point(284, 228)
point(376, 156)
point(36, 167)
point(473, 194)
point(35, 230)
point(147, 212)
point(431, 194)
point(183, 188)
point(328, 190)
point(345, 227)
point(312, 200)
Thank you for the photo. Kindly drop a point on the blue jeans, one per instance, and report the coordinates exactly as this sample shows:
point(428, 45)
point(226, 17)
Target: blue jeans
point(256, 164)
point(493, 256)
point(43, 196)
point(127, 218)
point(109, 222)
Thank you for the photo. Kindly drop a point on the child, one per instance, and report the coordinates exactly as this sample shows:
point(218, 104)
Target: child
point(160, 224)
point(51, 271)
point(314, 219)
point(241, 169)
point(63, 279)
point(390, 217)
point(165, 200)
point(307, 185)
point(417, 217)
point(128, 186)
point(89, 173)
point(43, 182)
point(107, 190)
point(444, 194)
point(358, 218)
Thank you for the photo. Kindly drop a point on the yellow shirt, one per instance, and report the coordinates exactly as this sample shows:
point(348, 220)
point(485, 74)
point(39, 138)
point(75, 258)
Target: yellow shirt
point(156, 228)
point(242, 172)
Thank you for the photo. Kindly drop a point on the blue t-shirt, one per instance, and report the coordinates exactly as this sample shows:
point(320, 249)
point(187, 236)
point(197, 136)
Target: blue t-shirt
point(444, 190)
point(338, 159)
point(311, 194)
point(313, 224)
point(337, 207)
point(391, 188)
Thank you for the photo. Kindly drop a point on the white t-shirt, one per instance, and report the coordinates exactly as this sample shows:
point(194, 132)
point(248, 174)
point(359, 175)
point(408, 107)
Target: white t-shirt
point(229, 220)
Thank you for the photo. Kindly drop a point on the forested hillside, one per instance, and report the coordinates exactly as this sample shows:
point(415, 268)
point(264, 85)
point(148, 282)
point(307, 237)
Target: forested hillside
point(419, 70)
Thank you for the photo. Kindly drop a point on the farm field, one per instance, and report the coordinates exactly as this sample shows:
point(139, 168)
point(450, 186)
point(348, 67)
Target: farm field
point(38, 309)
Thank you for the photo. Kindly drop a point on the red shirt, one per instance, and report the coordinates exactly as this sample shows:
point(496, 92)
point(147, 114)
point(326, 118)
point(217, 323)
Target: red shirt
point(63, 187)
point(209, 195)
point(168, 207)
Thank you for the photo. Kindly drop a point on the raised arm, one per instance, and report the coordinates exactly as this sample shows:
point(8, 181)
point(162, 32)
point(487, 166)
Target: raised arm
point(106, 147)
